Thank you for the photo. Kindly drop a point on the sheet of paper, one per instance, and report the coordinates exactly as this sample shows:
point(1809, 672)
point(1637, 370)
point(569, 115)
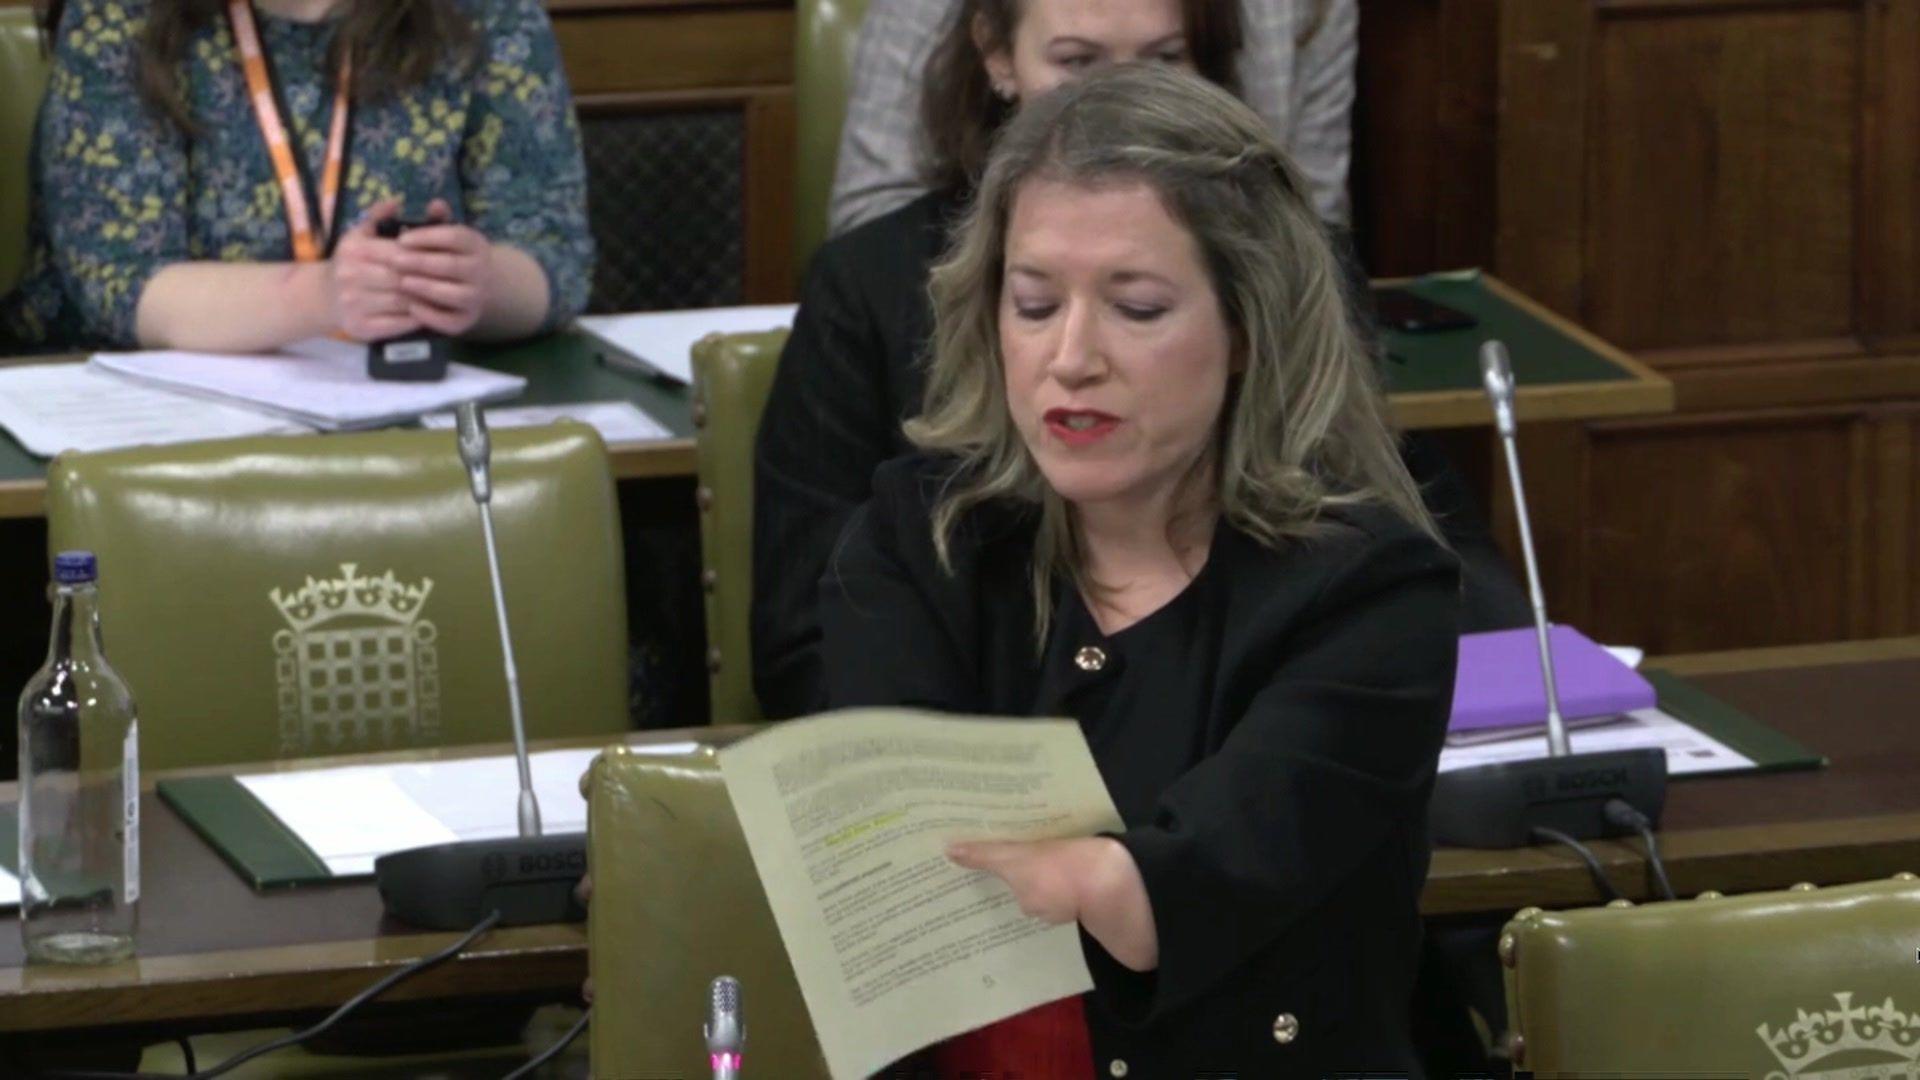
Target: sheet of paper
point(51, 408)
point(348, 816)
point(321, 382)
point(664, 339)
point(1688, 749)
point(617, 421)
point(351, 815)
point(475, 798)
point(9, 889)
point(848, 817)
point(1627, 654)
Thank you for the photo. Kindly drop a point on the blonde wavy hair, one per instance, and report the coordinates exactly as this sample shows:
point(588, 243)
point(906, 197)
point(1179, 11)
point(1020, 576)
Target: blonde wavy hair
point(1304, 427)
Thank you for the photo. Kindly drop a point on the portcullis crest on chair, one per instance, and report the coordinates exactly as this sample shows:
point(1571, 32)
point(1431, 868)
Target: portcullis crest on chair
point(356, 664)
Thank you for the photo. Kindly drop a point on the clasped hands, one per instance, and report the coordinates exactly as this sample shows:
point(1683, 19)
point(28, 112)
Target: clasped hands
point(1091, 880)
point(435, 277)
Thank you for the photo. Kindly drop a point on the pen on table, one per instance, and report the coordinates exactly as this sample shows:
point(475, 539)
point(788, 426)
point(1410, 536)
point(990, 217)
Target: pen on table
point(633, 365)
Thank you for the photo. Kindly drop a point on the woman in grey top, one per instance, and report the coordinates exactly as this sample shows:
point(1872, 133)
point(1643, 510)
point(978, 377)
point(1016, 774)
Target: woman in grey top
point(1296, 71)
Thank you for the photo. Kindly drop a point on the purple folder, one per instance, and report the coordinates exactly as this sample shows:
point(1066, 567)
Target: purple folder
point(1498, 681)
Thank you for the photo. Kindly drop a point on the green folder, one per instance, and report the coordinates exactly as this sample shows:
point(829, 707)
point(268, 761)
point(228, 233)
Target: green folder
point(1769, 750)
point(1450, 359)
point(264, 852)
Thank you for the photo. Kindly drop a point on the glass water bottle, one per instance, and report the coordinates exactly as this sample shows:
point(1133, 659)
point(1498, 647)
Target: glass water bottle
point(79, 789)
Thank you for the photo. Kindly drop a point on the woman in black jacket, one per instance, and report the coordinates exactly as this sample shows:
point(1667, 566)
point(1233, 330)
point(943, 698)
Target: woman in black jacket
point(1157, 492)
point(853, 369)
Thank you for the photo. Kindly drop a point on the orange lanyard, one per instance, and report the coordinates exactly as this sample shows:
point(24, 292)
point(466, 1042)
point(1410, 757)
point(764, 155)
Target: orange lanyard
point(309, 245)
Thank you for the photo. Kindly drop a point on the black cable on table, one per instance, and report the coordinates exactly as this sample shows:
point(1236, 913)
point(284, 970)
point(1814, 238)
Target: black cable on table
point(1586, 854)
point(1659, 864)
point(1623, 815)
point(553, 1051)
point(386, 983)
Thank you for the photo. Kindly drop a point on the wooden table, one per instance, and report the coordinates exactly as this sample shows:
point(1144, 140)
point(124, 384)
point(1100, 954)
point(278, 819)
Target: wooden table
point(561, 369)
point(1563, 373)
point(1561, 370)
point(1859, 818)
point(214, 953)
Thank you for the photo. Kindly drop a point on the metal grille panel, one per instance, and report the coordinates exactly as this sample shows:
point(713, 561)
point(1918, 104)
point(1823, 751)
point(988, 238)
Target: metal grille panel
point(664, 199)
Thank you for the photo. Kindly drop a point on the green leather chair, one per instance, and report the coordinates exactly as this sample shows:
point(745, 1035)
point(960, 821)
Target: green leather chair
point(23, 74)
point(824, 33)
point(285, 597)
point(657, 935)
point(1775, 984)
point(732, 374)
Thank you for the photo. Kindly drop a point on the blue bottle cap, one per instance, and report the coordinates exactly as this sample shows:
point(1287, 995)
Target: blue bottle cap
point(74, 568)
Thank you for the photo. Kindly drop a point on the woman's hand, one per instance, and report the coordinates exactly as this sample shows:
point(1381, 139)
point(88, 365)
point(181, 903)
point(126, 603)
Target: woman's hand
point(363, 281)
point(1092, 880)
point(446, 273)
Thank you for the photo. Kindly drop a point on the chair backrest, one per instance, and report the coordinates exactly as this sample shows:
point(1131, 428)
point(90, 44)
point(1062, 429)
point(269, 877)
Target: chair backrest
point(23, 74)
point(657, 934)
point(824, 34)
point(295, 596)
point(1780, 984)
point(732, 375)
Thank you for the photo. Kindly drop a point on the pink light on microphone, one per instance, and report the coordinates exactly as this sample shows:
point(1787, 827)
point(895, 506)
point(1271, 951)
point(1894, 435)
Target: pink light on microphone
point(726, 1061)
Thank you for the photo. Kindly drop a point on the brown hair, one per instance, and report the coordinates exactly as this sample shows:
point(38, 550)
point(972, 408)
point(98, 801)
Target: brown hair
point(960, 111)
point(1305, 427)
point(395, 45)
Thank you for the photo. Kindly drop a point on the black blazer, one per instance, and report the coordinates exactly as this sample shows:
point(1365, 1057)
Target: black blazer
point(853, 371)
point(1269, 737)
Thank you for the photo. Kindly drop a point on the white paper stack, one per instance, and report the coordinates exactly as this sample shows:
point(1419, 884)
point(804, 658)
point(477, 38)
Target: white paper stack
point(663, 340)
point(9, 889)
point(617, 421)
point(322, 383)
point(1688, 749)
point(352, 815)
point(52, 408)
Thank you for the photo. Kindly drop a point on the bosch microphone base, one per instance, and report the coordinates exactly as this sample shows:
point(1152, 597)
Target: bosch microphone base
point(453, 886)
point(1499, 805)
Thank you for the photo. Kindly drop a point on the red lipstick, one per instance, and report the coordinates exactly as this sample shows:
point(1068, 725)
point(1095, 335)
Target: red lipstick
point(1080, 427)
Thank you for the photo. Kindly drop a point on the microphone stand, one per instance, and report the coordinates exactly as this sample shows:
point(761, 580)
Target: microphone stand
point(528, 878)
point(1501, 804)
point(1497, 375)
point(475, 451)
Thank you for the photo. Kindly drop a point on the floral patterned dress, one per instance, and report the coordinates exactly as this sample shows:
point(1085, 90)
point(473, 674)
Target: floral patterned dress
point(121, 192)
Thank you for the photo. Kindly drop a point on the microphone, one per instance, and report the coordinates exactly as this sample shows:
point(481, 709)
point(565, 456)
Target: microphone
point(725, 1029)
point(1496, 373)
point(1501, 804)
point(529, 878)
point(476, 450)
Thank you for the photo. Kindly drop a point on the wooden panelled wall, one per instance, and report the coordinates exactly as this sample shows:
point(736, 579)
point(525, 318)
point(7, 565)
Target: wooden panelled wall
point(663, 56)
point(1731, 189)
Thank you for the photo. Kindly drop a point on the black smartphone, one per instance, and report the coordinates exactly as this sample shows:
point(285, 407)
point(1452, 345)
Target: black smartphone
point(391, 228)
point(421, 356)
point(1401, 310)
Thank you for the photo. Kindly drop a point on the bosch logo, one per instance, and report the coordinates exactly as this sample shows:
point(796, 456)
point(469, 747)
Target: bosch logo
point(571, 862)
point(1593, 778)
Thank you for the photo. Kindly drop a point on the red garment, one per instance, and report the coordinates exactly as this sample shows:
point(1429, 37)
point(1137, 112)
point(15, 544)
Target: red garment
point(1047, 1043)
